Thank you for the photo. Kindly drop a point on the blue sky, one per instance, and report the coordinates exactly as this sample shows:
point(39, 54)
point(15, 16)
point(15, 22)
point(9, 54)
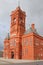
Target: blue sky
point(34, 14)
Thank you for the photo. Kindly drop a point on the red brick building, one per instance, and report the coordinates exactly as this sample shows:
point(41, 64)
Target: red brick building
point(22, 44)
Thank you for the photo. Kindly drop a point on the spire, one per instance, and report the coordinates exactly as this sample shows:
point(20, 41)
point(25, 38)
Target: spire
point(8, 36)
point(18, 3)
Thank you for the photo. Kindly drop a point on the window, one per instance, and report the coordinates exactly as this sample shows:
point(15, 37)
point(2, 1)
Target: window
point(26, 51)
point(41, 54)
point(41, 43)
point(30, 41)
point(25, 41)
point(13, 43)
point(36, 44)
point(10, 43)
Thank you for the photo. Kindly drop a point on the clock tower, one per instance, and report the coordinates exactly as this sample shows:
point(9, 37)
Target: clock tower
point(17, 22)
point(17, 29)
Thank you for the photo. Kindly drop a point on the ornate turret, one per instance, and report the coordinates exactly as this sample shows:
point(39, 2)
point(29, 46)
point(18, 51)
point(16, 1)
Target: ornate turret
point(7, 36)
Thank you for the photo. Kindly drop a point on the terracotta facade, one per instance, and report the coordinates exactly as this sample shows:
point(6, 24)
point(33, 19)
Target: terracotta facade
point(22, 44)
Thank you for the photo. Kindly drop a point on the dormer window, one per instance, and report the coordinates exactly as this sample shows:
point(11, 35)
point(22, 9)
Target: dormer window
point(14, 19)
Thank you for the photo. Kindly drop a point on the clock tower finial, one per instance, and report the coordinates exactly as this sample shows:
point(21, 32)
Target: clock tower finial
point(18, 3)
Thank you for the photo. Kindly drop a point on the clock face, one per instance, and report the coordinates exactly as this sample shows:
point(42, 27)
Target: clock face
point(14, 19)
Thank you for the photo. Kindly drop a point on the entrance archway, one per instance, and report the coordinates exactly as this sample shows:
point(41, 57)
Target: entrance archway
point(12, 54)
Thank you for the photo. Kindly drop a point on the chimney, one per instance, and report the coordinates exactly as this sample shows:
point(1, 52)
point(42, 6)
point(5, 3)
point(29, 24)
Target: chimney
point(33, 26)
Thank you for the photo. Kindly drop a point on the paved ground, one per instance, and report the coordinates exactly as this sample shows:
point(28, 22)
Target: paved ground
point(19, 62)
